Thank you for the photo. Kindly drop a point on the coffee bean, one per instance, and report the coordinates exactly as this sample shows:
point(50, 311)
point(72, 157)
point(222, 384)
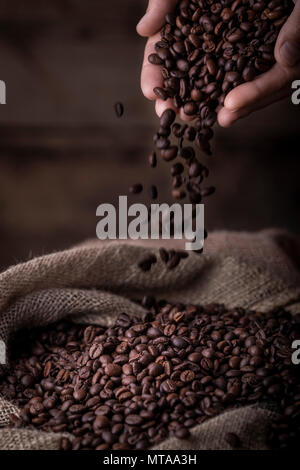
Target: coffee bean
point(47, 369)
point(100, 422)
point(174, 260)
point(153, 192)
point(113, 370)
point(164, 255)
point(256, 351)
point(155, 369)
point(169, 153)
point(195, 357)
point(208, 353)
point(233, 440)
point(161, 93)
point(133, 420)
point(168, 386)
point(155, 59)
point(119, 109)
point(190, 108)
point(154, 332)
point(65, 444)
point(177, 169)
point(162, 143)
point(167, 118)
point(187, 376)
point(146, 263)
point(179, 342)
point(182, 433)
point(136, 188)
point(79, 394)
point(153, 160)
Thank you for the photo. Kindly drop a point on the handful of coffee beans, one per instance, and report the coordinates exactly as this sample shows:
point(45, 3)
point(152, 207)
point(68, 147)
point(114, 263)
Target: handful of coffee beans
point(131, 385)
point(206, 49)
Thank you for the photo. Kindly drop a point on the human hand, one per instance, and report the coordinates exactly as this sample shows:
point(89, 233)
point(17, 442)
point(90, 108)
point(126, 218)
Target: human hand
point(272, 85)
point(150, 26)
point(246, 98)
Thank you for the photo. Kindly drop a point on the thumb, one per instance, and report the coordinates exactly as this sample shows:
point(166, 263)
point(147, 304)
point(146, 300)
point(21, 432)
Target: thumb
point(154, 18)
point(287, 50)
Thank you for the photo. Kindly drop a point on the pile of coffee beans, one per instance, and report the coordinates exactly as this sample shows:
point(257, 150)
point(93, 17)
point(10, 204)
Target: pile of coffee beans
point(132, 385)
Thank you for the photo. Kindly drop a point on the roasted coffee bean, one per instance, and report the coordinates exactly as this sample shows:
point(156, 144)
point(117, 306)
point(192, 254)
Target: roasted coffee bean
point(190, 108)
point(182, 432)
point(155, 59)
point(153, 160)
point(178, 130)
point(155, 369)
point(190, 134)
point(187, 376)
point(174, 260)
point(180, 342)
point(153, 192)
point(167, 118)
point(119, 109)
point(161, 93)
point(195, 357)
point(146, 263)
point(164, 255)
point(133, 420)
point(187, 153)
point(177, 169)
point(113, 370)
point(233, 440)
point(169, 153)
point(162, 143)
point(195, 169)
point(136, 188)
point(168, 386)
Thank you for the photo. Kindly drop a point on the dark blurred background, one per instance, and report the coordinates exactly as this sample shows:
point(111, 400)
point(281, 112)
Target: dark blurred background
point(63, 151)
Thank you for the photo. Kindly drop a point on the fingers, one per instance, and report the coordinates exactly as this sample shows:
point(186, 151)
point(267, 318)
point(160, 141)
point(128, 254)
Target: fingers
point(287, 49)
point(154, 18)
point(251, 93)
point(151, 74)
point(151, 77)
point(161, 106)
point(226, 117)
point(272, 85)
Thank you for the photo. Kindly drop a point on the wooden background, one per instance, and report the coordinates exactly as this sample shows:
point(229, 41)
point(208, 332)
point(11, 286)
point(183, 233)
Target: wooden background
point(63, 152)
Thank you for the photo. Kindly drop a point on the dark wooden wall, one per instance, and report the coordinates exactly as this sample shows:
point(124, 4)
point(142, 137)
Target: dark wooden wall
point(63, 152)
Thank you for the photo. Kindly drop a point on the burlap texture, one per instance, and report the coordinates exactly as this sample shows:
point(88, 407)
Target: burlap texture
point(94, 282)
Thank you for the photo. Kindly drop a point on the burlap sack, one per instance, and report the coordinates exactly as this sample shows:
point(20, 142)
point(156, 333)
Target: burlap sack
point(94, 282)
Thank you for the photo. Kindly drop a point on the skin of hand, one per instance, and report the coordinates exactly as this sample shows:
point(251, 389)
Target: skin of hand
point(264, 90)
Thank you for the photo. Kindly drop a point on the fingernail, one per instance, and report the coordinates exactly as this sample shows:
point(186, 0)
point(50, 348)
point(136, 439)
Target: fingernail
point(289, 52)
